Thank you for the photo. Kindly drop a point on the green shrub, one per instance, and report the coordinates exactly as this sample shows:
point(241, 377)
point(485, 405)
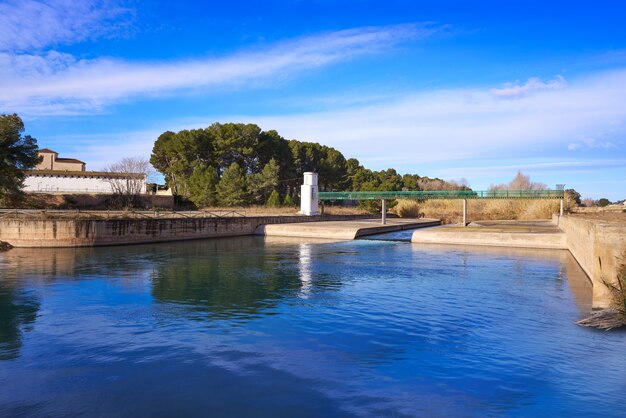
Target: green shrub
point(273, 201)
point(288, 202)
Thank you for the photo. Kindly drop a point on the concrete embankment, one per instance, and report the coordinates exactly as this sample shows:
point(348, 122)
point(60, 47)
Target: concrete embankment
point(343, 230)
point(97, 232)
point(519, 234)
point(597, 246)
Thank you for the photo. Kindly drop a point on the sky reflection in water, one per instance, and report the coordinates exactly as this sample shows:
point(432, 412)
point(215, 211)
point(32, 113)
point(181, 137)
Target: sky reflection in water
point(253, 327)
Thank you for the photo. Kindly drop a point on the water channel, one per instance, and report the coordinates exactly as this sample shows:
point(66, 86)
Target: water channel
point(277, 327)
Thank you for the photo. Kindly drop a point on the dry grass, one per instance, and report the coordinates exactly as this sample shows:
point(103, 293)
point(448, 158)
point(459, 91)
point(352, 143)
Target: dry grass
point(614, 317)
point(451, 211)
point(618, 289)
point(286, 211)
point(407, 208)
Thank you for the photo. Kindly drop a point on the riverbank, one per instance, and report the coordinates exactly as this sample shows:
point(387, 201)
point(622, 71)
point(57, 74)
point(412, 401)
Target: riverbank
point(88, 232)
point(520, 234)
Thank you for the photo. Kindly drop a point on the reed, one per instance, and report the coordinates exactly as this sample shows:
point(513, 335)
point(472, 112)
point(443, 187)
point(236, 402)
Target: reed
point(451, 211)
point(407, 208)
point(615, 316)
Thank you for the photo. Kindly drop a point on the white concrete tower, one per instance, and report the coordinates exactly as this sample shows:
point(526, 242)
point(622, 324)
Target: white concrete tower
point(308, 195)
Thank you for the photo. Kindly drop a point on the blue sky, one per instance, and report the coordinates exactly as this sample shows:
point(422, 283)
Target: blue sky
point(453, 89)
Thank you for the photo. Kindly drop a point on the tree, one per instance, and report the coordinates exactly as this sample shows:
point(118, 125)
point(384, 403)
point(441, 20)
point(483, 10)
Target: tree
point(17, 153)
point(269, 162)
point(232, 190)
point(288, 202)
point(274, 200)
point(263, 183)
point(236, 143)
point(177, 154)
point(202, 186)
point(128, 180)
point(603, 202)
point(573, 197)
point(520, 182)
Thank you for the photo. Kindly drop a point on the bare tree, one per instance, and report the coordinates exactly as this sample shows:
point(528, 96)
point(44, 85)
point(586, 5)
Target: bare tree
point(520, 182)
point(128, 180)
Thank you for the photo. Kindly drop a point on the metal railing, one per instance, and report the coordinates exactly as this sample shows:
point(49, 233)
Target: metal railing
point(443, 194)
point(116, 214)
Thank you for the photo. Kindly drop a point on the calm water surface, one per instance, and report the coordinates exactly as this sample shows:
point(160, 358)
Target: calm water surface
point(253, 327)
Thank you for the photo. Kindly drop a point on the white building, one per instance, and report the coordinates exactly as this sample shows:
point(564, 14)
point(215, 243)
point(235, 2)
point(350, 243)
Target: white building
point(68, 175)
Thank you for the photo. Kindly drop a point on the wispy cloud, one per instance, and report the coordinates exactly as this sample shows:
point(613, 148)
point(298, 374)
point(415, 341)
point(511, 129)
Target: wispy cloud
point(440, 126)
point(31, 24)
point(532, 85)
point(445, 125)
point(526, 166)
point(587, 143)
point(31, 83)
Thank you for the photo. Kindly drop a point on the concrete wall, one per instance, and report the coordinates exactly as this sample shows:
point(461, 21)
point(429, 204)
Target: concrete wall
point(596, 245)
point(58, 183)
point(85, 232)
point(51, 161)
point(47, 161)
point(62, 165)
point(66, 183)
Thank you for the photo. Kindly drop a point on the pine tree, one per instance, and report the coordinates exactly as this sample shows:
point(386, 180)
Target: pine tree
point(202, 186)
point(263, 183)
point(288, 202)
point(273, 201)
point(17, 153)
point(232, 189)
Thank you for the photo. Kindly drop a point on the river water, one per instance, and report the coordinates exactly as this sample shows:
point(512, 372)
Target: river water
point(272, 327)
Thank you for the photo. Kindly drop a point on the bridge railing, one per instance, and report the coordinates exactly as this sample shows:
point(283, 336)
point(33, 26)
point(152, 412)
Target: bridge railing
point(443, 194)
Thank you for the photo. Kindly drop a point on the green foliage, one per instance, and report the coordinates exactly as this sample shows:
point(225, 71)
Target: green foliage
point(269, 162)
point(262, 184)
point(274, 200)
point(17, 153)
point(232, 189)
point(288, 202)
point(177, 154)
point(603, 202)
point(202, 186)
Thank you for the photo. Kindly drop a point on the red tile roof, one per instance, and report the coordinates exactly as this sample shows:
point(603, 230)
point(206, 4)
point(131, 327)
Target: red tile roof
point(69, 160)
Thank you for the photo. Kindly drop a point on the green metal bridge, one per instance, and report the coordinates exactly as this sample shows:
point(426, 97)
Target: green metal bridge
point(447, 194)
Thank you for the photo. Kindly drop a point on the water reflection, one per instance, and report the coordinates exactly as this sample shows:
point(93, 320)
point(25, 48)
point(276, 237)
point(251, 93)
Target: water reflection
point(18, 311)
point(263, 327)
point(225, 278)
point(570, 275)
point(305, 269)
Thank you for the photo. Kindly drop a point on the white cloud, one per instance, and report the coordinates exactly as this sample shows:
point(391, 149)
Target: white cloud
point(532, 85)
point(444, 127)
point(587, 143)
point(31, 24)
point(70, 85)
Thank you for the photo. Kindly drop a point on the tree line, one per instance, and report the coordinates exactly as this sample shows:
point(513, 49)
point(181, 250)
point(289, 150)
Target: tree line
point(235, 164)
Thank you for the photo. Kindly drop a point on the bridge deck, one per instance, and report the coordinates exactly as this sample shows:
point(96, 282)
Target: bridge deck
point(445, 194)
